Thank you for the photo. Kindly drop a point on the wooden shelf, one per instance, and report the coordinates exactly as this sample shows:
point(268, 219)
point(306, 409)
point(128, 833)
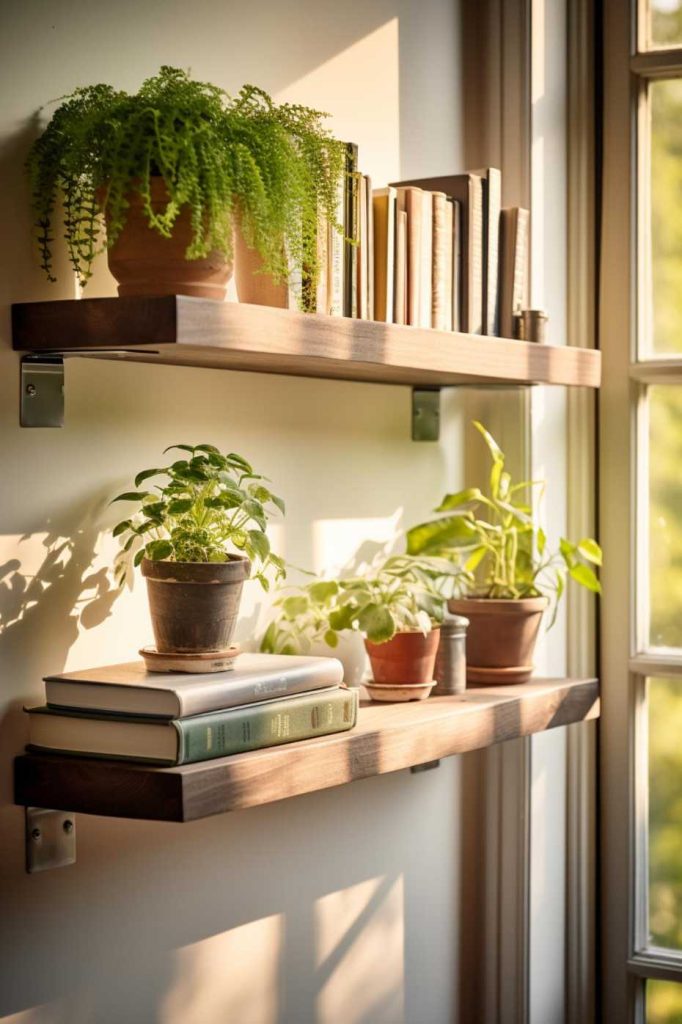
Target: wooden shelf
point(387, 738)
point(201, 332)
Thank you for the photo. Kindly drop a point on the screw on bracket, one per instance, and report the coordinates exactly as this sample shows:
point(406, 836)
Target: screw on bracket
point(50, 839)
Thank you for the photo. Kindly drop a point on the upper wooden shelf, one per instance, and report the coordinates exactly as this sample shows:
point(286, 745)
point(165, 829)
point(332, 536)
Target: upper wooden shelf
point(387, 738)
point(201, 332)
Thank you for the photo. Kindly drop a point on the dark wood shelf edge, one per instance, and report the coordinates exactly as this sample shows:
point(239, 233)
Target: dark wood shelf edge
point(387, 738)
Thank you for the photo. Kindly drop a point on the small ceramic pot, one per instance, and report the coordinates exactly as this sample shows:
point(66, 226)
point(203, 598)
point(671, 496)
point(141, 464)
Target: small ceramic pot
point(408, 658)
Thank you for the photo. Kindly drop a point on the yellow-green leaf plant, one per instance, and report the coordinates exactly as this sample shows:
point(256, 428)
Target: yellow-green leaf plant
point(504, 550)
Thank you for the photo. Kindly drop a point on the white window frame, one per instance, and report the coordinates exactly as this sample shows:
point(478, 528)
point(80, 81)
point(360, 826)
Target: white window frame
point(628, 369)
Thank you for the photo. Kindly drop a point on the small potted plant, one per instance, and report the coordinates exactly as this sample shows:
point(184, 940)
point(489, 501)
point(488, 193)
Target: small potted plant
point(302, 619)
point(197, 535)
point(172, 170)
point(514, 577)
point(398, 606)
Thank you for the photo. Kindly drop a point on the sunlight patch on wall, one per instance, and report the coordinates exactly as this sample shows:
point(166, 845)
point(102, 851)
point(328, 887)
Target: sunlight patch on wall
point(359, 87)
point(360, 952)
point(227, 977)
point(343, 546)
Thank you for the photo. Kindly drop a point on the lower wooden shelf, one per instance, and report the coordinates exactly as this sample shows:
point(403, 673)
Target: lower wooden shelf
point(387, 738)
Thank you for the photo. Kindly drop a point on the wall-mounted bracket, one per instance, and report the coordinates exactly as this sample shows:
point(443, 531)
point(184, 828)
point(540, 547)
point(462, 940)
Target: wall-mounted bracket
point(50, 839)
point(42, 391)
point(425, 414)
point(428, 766)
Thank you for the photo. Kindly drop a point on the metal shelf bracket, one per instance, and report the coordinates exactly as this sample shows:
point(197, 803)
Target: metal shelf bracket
point(50, 839)
point(425, 414)
point(41, 400)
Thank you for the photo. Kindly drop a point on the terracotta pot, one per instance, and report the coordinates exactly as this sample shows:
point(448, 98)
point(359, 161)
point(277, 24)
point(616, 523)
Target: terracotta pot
point(194, 605)
point(253, 286)
point(145, 263)
point(408, 658)
point(501, 637)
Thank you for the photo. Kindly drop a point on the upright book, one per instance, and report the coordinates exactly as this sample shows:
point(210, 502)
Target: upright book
point(410, 202)
point(467, 189)
point(130, 689)
point(491, 181)
point(351, 225)
point(514, 246)
point(199, 738)
point(384, 207)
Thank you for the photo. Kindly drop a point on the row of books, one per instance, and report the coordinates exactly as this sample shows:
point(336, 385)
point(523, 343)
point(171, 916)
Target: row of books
point(126, 712)
point(434, 252)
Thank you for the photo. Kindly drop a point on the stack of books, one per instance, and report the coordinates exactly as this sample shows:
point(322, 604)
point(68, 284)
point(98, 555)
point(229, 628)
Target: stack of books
point(124, 711)
point(431, 252)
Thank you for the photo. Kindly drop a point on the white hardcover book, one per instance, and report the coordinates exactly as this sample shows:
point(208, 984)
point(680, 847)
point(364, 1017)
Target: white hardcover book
point(384, 216)
point(426, 262)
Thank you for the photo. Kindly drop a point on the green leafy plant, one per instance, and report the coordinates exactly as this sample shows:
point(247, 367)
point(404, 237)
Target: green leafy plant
point(402, 593)
point(506, 553)
point(207, 505)
point(276, 166)
point(302, 619)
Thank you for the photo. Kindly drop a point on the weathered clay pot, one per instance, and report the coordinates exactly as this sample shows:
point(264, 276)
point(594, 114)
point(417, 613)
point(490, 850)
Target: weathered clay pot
point(408, 658)
point(194, 605)
point(145, 263)
point(253, 286)
point(501, 637)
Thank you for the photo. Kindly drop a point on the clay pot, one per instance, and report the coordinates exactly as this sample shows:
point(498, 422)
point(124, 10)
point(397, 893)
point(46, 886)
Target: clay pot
point(145, 263)
point(253, 286)
point(194, 605)
point(501, 637)
point(408, 658)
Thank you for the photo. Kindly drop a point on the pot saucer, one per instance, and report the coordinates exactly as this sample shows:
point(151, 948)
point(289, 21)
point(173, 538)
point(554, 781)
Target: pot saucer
point(499, 676)
point(211, 661)
point(395, 692)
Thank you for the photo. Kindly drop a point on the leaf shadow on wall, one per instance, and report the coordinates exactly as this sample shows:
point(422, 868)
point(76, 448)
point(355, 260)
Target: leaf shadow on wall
point(41, 614)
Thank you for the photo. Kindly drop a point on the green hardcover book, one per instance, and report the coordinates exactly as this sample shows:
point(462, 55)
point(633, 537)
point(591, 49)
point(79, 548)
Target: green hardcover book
point(198, 738)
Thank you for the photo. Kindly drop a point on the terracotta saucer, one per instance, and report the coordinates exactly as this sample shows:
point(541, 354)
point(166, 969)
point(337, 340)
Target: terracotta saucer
point(499, 676)
point(394, 692)
point(212, 661)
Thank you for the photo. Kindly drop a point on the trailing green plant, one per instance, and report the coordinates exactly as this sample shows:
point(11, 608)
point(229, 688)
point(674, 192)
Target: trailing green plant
point(506, 553)
point(276, 166)
point(302, 619)
point(403, 593)
point(207, 506)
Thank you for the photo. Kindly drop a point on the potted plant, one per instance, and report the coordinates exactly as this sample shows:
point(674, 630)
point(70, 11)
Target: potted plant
point(197, 535)
point(398, 606)
point(302, 619)
point(514, 577)
point(170, 169)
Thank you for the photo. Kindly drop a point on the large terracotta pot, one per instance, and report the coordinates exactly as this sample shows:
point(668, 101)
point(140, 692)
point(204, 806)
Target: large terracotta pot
point(253, 286)
point(194, 605)
point(145, 263)
point(501, 637)
point(407, 659)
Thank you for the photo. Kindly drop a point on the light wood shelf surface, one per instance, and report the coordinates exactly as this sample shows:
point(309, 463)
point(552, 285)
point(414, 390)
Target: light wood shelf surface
point(201, 332)
point(387, 738)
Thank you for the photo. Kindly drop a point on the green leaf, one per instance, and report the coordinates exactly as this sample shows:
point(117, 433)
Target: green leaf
point(157, 550)
point(377, 623)
point(131, 496)
point(260, 543)
point(267, 644)
point(331, 639)
point(139, 555)
point(475, 558)
point(464, 497)
point(322, 591)
point(146, 474)
point(590, 550)
point(295, 605)
point(493, 447)
point(279, 502)
point(121, 528)
point(254, 510)
point(585, 576)
point(441, 534)
point(181, 447)
point(210, 448)
point(343, 617)
point(541, 540)
point(567, 549)
point(178, 505)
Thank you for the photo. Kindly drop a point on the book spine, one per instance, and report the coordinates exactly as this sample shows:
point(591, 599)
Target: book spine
point(474, 257)
point(370, 248)
point(410, 200)
point(442, 245)
point(400, 279)
point(336, 255)
point(362, 250)
point(426, 262)
point(492, 254)
point(267, 725)
point(275, 686)
point(350, 227)
point(456, 265)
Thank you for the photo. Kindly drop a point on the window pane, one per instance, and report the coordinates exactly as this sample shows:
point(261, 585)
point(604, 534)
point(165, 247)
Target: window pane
point(663, 1002)
point(665, 22)
point(666, 215)
point(665, 516)
point(665, 813)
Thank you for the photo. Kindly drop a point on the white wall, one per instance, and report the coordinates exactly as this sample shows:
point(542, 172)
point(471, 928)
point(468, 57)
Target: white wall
point(338, 907)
